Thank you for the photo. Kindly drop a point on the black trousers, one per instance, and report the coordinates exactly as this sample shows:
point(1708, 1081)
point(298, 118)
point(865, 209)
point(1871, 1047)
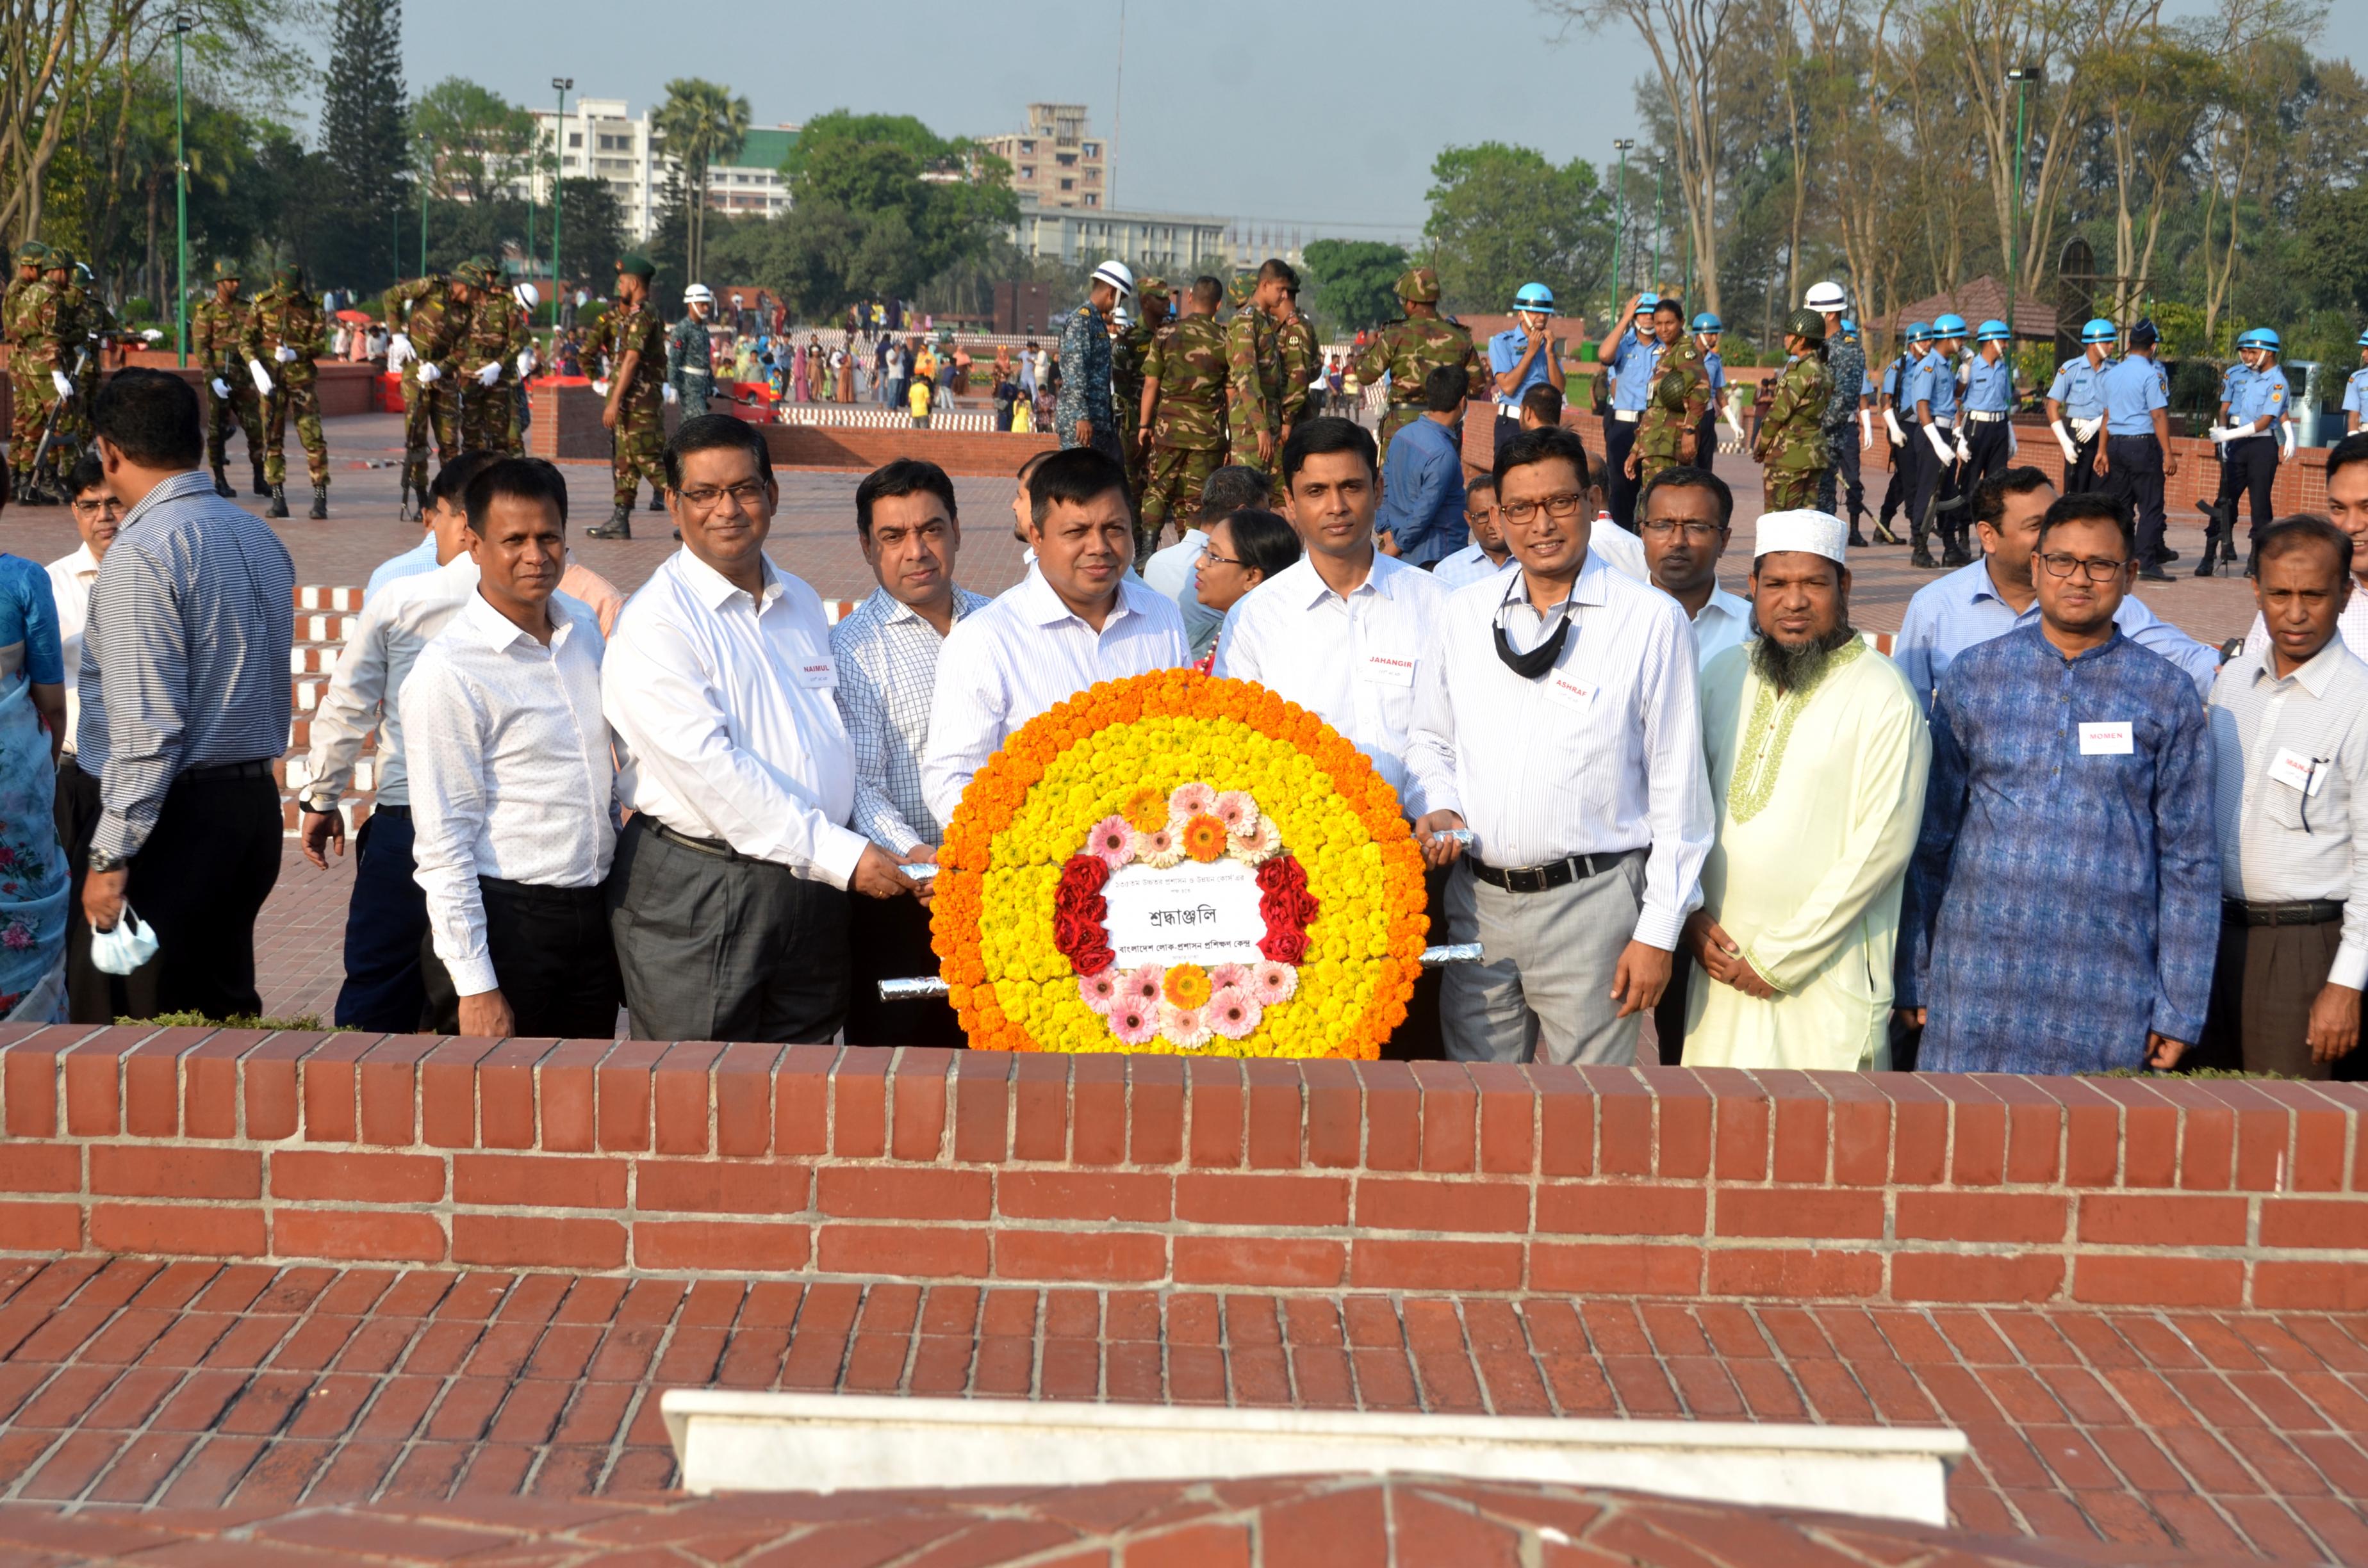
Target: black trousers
point(1936, 484)
point(1508, 426)
point(2134, 473)
point(2249, 467)
point(1903, 476)
point(2083, 477)
point(888, 939)
point(1420, 1037)
point(198, 881)
point(715, 945)
point(1840, 490)
point(1620, 491)
point(1988, 437)
point(386, 920)
point(552, 959)
point(1670, 1011)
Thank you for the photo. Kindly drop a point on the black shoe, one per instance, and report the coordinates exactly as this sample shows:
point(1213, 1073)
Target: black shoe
point(1923, 558)
point(1856, 539)
point(619, 526)
point(278, 508)
point(2203, 567)
point(1883, 535)
point(657, 499)
point(1953, 556)
point(320, 503)
point(223, 486)
point(2153, 573)
point(2167, 556)
point(262, 487)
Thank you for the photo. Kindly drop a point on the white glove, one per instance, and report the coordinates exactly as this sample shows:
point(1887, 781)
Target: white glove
point(1891, 423)
point(64, 383)
point(2012, 446)
point(259, 376)
point(1964, 452)
point(286, 354)
point(2063, 439)
point(428, 374)
point(672, 396)
point(1866, 430)
point(2218, 433)
point(600, 387)
point(526, 363)
point(2286, 446)
point(2087, 428)
point(221, 388)
point(488, 374)
point(1940, 443)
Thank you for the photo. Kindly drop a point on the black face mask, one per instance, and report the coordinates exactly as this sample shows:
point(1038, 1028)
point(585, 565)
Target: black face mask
point(1538, 660)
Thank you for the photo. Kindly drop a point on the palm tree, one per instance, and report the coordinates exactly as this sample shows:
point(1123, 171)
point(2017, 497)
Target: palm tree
point(700, 122)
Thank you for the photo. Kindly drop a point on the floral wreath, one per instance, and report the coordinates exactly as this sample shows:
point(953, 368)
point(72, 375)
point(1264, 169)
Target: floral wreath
point(1155, 770)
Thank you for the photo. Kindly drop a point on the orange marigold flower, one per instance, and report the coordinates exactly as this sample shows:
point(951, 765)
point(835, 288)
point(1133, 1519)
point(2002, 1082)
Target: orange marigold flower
point(1187, 985)
point(1204, 838)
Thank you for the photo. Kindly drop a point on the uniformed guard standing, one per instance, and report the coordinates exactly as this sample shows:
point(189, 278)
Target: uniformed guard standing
point(1254, 368)
point(487, 359)
point(59, 340)
point(1523, 355)
point(1938, 497)
point(1130, 349)
point(1406, 350)
point(2253, 409)
point(691, 353)
point(1893, 404)
point(1706, 329)
point(98, 326)
point(1792, 446)
point(1669, 434)
point(437, 326)
point(2076, 405)
point(635, 411)
point(1630, 350)
point(1181, 420)
point(2136, 457)
point(1295, 342)
point(1842, 493)
point(2355, 393)
point(283, 333)
point(26, 410)
point(215, 327)
point(1989, 403)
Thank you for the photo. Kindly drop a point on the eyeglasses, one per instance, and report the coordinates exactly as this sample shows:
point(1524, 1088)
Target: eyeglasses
point(97, 508)
point(1209, 552)
point(2095, 570)
point(745, 496)
point(1699, 533)
point(1564, 505)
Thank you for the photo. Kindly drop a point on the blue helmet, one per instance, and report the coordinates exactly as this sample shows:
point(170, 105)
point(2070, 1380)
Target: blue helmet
point(1707, 322)
point(1919, 332)
point(2364, 340)
point(1534, 297)
point(1993, 331)
point(2260, 337)
point(1950, 326)
point(2100, 330)
point(1646, 302)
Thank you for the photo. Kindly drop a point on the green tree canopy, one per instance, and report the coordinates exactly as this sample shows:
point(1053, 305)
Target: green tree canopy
point(942, 200)
point(478, 141)
point(1355, 281)
point(700, 124)
point(1503, 216)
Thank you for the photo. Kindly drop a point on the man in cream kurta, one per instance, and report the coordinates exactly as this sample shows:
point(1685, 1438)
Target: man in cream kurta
point(1817, 754)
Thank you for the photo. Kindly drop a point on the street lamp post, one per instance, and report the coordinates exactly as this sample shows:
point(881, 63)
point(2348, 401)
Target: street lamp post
point(182, 24)
point(2022, 76)
point(427, 164)
point(1660, 172)
point(1619, 220)
point(558, 177)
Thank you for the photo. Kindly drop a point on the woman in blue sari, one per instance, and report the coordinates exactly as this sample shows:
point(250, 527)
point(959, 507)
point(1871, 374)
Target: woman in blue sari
point(33, 876)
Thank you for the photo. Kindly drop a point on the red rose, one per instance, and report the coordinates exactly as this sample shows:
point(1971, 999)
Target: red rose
point(1092, 959)
point(1283, 945)
point(1086, 873)
point(1071, 932)
point(1280, 874)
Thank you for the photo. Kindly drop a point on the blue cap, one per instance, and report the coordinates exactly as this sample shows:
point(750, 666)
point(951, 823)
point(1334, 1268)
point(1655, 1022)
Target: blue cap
point(2100, 330)
point(2364, 340)
point(1919, 332)
point(1993, 331)
point(1534, 297)
point(1849, 328)
point(1708, 322)
point(1951, 325)
point(2260, 337)
point(1646, 302)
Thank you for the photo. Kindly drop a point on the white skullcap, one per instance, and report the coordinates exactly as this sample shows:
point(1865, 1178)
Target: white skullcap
point(1116, 274)
point(1820, 533)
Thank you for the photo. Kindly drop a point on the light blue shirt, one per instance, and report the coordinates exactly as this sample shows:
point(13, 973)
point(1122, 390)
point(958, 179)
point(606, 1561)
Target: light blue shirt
point(2233, 381)
point(1891, 382)
point(1632, 362)
point(2080, 388)
point(2133, 392)
point(2355, 393)
point(1955, 612)
point(1716, 368)
point(1865, 385)
point(1175, 572)
point(1468, 565)
point(1505, 351)
point(2262, 393)
point(1934, 382)
point(420, 558)
point(1422, 493)
point(1989, 388)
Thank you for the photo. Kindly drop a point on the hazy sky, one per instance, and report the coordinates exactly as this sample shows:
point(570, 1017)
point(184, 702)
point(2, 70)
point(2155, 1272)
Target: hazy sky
point(1323, 113)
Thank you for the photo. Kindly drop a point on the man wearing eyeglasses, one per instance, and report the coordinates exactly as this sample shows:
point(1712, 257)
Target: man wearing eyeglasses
point(728, 903)
point(2063, 907)
point(1558, 721)
point(1684, 519)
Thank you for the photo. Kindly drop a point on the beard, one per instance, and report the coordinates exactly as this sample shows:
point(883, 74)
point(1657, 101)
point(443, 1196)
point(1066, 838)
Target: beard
point(1791, 669)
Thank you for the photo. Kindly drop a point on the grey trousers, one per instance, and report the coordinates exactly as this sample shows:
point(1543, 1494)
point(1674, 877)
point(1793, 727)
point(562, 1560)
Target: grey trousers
point(713, 946)
point(1542, 991)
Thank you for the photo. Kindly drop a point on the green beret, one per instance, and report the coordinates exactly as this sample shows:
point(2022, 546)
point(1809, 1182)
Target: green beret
point(32, 252)
point(635, 264)
point(1420, 286)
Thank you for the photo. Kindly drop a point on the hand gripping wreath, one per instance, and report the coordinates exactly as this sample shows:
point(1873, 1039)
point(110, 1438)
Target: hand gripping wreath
point(1176, 863)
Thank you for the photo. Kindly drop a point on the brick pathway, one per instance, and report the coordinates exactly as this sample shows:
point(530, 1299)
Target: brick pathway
point(198, 1385)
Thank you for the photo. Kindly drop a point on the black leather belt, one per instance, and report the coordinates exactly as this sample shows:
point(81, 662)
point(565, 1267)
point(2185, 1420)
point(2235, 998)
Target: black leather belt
point(714, 847)
point(216, 770)
point(1539, 879)
point(2309, 912)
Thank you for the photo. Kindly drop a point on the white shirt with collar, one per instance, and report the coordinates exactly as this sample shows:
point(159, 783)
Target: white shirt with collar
point(1021, 656)
point(70, 579)
point(1600, 755)
point(394, 626)
point(1175, 572)
point(727, 719)
point(510, 772)
point(1724, 621)
point(1619, 548)
point(1351, 660)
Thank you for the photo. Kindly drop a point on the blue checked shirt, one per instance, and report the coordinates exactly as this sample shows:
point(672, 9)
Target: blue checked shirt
point(887, 674)
point(184, 657)
point(2065, 894)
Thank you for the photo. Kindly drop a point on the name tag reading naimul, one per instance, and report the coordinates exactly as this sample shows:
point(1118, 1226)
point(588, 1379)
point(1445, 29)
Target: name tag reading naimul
point(1568, 690)
point(2114, 739)
point(2291, 767)
point(817, 673)
point(1388, 669)
point(1185, 914)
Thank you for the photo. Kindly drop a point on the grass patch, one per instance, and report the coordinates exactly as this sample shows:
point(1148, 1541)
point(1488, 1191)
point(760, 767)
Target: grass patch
point(301, 1023)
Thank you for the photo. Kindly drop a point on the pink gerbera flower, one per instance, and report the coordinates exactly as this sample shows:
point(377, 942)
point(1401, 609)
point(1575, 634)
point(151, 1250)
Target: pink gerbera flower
point(1100, 991)
point(1111, 842)
point(1144, 985)
point(1236, 811)
point(1187, 1028)
point(1271, 982)
point(1158, 848)
point(1231, 1013)
point(1191, 800)
point(1222, 975)
point(1133, 1024)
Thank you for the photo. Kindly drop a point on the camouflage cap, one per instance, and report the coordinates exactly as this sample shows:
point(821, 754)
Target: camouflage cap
point(632, 264)
point(1151, 288)
point(1239, 292)
point(226, 268)
point(473, 273)
point(32, 252)
point(1420, 286)
point(60, 260)
point(289, 274)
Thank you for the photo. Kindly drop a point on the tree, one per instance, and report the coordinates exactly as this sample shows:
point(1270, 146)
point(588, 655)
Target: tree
point(699, 124)
point(362, 122)
point(950, 199)
point(1503, 216)
point(1354, 282)
point(479, 141)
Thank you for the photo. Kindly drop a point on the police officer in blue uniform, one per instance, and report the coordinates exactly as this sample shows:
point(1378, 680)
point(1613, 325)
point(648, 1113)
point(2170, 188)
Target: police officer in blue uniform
point(1895, 405)
point(2355, 393)
point(1706, 328)
point(1523, 355)
point(1633, 354)
point(1989, 403)
point(2136, 457)
point(1939, 494)
point(2253, 404)
point(2076, 405)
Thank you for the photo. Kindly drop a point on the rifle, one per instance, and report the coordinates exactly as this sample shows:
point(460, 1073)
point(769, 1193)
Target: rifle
point(2219, 533)
point(50, 429)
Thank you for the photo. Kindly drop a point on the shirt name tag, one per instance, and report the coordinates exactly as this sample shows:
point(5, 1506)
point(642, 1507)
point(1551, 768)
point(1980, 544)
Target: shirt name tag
point(2297, 771)
point(1389, 670)
point(1563, 687)
point(2106, 740)
point(818, 672)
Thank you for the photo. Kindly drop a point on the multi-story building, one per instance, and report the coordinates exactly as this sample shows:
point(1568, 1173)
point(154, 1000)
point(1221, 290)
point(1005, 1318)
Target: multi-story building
point(1054, 161)
point(601, 140)
point(1170, 244)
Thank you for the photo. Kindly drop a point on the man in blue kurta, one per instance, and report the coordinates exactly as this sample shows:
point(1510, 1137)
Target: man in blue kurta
point(2062, 913)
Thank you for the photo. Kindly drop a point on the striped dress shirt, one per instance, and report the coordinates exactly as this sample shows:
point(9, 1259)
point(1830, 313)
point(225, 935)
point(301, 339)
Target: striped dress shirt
point(392, 629)
point(2350, 626)
point(887, 674)
point(184, 657)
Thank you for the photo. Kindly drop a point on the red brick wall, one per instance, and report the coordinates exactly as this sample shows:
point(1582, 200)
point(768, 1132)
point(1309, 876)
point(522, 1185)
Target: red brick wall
point(1150, 1171)
point(567, 424)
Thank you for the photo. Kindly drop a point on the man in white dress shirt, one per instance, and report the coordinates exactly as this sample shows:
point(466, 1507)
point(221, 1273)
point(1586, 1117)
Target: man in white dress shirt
point(96, 515)
point(1079, 617)
point(1559, 722)
point(516, 796)
point(729, 901)
point(386, 917)
point(1343, 634)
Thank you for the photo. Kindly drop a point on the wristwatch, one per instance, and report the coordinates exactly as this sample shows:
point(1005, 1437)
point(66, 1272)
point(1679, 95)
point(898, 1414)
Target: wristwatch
point(103, 861)
point(320, 805)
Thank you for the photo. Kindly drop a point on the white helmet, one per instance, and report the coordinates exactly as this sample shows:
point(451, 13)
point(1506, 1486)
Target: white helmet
point(1826, 296)
point(527, 294)
point(1117, 275)
point(698, 294)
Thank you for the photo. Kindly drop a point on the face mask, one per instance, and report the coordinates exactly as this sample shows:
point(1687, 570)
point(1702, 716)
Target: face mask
point(125, 947)
point(1538, 660)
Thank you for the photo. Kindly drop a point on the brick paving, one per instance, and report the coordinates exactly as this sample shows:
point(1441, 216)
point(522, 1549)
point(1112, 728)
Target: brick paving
point(203, 1385)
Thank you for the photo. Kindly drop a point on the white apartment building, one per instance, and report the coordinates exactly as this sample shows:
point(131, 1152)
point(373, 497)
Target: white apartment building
point(603, 141)
point(1167, 243)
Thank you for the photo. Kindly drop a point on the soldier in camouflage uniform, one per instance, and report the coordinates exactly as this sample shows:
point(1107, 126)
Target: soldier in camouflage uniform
point(99, 326)
point(636, 413)
point(27, 386)
point(495, 337)
point(1791, 444)
point(58, 333)
point(690, 354)
point(215, 327)
point(1182, 414)
point(283, 333)
point(1671, 433)
point(1253, 370)
point(1406, 350)
point(1130, 348)
point(1301, 361)
point(440, 319)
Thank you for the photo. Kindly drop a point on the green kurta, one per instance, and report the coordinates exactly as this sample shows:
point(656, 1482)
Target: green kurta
point(1820, 795)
